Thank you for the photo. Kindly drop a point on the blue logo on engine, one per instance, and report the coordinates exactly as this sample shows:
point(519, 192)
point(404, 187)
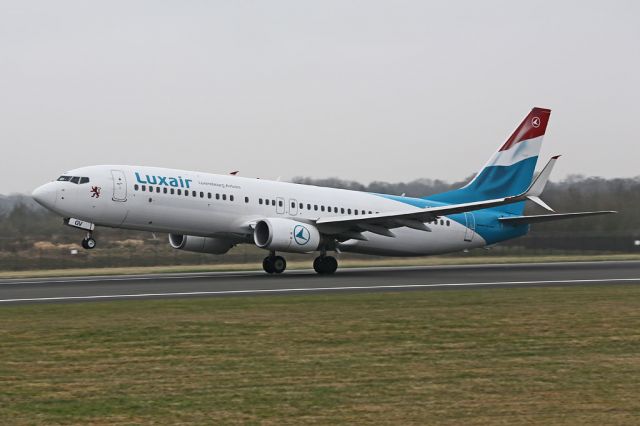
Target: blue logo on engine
point(301, 235)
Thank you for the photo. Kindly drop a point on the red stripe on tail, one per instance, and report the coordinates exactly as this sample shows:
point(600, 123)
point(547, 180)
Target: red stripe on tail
point(534, 125)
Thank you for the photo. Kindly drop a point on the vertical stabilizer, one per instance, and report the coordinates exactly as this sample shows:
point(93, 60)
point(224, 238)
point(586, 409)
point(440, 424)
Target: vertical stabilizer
point(510, 169)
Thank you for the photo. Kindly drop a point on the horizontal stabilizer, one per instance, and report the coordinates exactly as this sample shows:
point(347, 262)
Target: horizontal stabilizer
point(522, 220)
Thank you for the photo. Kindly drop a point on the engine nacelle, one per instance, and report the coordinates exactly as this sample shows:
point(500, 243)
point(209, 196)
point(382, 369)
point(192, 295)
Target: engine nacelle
point(199, 244)
point(286, 235)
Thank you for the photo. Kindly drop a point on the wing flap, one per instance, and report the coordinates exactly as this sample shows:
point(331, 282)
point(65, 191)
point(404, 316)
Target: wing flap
point(523, 220)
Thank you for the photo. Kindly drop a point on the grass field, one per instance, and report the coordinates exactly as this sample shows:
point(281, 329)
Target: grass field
point(566, 355)
point(348, 263)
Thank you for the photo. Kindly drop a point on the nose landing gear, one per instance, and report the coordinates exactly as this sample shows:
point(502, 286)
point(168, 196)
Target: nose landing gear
point(88, 242)
point(273, 264)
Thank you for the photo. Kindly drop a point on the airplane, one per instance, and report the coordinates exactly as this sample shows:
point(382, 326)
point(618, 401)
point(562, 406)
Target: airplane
point(211, 213)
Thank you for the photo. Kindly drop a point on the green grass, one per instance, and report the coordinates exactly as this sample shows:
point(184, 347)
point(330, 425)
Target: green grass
point(296, 264)
point(509, 356)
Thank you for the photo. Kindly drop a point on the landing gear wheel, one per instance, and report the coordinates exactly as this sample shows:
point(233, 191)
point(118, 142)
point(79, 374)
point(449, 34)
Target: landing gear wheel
point(325, 265)
point(279, 264)
point(274, 264)
point(88, 243)
point(267, 265)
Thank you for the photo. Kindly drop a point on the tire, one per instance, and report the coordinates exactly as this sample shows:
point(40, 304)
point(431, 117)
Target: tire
point(325, 265)
point(317, 264)
point(90, 243)
point(267, 265)
point(330, 265)
point(279, 264)
point(84, 245)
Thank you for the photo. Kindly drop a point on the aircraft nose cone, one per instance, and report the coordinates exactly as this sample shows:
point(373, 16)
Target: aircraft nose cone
point(45, 195)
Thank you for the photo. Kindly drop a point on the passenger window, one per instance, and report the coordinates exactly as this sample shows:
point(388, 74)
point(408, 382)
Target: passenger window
point(143, 188)
point(280, 203)
point(363, 212)
point(150, 189)
point(266, 202)
point(370, 212)
point(448, 223)
point(75, 179)
point(321, 208)
point(301, 206)
point(246, 199)
point(342, 210)
point(158, 189)
point(224, 197)
point(441, 222)
point(230, 197)
point(273, 202)
point(356, 212)
point(179, 191)
point(217, 196)
point(201, 194)
point(293, 205)
point(172, 191)
point(260, 201)
point(165, 190)
point(208, 195)
point(84, 180)
point(348, 211)
point(186, 193)
point(315, 207)
point(308, 206)
point(135, 187)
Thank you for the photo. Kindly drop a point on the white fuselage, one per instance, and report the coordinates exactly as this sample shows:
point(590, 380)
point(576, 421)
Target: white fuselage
point(225, 206)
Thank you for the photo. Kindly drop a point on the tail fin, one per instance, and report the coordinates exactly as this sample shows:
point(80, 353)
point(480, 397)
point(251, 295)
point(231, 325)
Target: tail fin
point(510, 170)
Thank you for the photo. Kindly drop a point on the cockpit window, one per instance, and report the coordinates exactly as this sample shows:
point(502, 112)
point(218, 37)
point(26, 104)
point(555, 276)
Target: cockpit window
point(73, 179)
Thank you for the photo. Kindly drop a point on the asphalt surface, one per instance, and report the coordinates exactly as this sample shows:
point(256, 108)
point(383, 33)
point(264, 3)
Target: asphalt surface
point(307, 282)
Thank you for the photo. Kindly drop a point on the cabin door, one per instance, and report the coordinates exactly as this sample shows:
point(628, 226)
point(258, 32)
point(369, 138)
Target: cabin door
point(119, 185)
point(470, 230)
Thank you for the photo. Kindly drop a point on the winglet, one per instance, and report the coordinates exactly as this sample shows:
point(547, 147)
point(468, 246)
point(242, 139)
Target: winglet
point(539, 202)
point(537, 186)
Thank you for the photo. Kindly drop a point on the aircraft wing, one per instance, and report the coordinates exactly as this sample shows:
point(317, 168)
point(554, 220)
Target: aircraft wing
point(382, 223)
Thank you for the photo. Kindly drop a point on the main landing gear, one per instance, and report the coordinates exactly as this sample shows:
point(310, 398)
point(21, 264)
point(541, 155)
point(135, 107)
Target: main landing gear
point(273, 264)
point(88, 242)
point(325, 265)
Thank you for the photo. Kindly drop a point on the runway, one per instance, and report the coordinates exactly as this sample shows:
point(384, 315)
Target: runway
point(162, 286)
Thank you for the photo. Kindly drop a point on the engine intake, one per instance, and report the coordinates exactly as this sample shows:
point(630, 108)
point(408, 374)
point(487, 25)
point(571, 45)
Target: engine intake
point(286, 235)
point(199, 244)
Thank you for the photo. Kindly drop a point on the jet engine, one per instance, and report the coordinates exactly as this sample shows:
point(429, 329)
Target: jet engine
point(199, 244)
point(286, 235)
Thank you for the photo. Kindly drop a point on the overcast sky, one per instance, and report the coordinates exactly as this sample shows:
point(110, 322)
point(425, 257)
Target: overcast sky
point(363, 90)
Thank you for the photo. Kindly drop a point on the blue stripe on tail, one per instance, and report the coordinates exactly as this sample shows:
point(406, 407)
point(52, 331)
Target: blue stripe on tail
point(494, 182)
